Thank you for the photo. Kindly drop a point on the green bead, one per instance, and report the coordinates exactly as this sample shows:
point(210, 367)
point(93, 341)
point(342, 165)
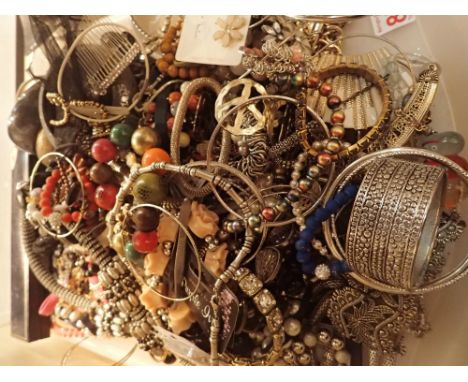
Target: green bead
point(150, 188)
point(121, 135)
point(133, 255)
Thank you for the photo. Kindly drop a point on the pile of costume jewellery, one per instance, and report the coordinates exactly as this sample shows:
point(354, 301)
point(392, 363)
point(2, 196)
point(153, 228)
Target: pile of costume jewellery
point(290, 210)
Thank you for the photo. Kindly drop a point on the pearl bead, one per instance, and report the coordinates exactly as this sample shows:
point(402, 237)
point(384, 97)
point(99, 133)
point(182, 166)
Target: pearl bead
point(324, 159)
point(173, 108)
point(337, 131)
point(292, 327)
point(304, 359)
point(35, 192)
point(268, 213)
point(143, 139)
point(300, 220)
point(254, 221)
point(333, 102)
point(313, 171)
point(325, 89)
point(298, 166)
point(294, 307)
point(298, 348)
point(343, 357)
point(333, 146)
point(304, 185)
point(43, 146)
point(337, 117)
point(298, 79)
point(324, 337)
point(317, 145)
point(337, 344)
point(282, 206)
point(313, 81)
point(293, 183)
point(310, 340)
point(184, 140)
point(302, 157)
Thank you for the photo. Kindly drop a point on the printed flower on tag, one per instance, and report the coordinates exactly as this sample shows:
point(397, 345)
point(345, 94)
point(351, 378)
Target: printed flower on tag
point(229, 31)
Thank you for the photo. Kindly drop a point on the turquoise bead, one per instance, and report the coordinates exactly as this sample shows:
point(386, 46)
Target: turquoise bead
point(121, 135)
point(133, 255)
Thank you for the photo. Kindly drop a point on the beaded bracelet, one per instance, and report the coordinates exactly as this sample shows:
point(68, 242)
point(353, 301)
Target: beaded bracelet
point(313, 222)
point(44, 198)
point(317, 81)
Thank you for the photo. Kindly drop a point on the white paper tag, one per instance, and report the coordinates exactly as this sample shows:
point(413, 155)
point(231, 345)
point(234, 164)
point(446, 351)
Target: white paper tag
point(384, 24)
point(213, 40)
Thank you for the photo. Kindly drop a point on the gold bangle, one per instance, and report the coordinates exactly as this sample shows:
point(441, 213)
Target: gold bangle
point(378, 128)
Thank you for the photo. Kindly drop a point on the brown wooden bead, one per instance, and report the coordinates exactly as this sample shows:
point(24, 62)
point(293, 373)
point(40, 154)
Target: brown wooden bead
point(169, 57)
point(166, 47)
point(163, 66)
point(101, 173)
point(204, 71)
point(193, 72)
point(183, 73)
point(145, 219)
point(173, 71)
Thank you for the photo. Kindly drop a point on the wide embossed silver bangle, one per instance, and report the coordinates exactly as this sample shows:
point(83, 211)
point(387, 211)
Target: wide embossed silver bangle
point(394, 221)
point(409, 224)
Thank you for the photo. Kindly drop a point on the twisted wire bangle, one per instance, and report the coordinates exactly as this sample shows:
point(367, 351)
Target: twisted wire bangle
point(182, 107)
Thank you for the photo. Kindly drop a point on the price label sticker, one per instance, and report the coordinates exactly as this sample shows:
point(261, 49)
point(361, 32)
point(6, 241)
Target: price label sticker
point(385, 24)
